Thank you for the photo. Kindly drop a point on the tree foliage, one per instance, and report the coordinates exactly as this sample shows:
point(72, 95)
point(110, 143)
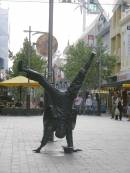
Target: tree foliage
point(36, 63)
point(77, 55)
point(28, 52)
point(107, 61)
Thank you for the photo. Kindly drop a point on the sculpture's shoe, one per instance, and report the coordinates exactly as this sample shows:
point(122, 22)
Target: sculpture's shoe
point(36, 150)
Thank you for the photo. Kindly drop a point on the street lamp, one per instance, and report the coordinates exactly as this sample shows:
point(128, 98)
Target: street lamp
point(29, 56)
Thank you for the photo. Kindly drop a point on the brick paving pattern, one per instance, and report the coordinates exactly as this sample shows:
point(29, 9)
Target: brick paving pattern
point(105, 143)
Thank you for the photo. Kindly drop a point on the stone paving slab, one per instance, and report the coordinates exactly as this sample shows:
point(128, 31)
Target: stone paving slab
point(105, 145)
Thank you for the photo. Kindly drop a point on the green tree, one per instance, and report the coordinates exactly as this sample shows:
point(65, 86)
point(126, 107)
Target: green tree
point(36, 62)
point(106, 62)
point(77, 55)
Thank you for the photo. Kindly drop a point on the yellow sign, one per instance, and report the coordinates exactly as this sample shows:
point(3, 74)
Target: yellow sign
point(126, 85)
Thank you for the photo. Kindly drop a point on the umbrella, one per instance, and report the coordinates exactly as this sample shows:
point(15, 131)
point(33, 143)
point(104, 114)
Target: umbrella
point(20, 81)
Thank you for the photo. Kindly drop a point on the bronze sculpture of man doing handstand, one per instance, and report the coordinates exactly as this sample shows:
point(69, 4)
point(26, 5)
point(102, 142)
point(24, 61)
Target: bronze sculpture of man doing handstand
point(58, 114)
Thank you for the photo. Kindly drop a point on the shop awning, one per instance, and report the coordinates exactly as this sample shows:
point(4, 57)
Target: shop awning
point(99, 91)
point(116, 84)
point(20, 81)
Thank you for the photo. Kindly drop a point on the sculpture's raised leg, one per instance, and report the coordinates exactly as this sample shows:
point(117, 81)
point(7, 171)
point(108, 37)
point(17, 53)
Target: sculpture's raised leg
point(76, 84)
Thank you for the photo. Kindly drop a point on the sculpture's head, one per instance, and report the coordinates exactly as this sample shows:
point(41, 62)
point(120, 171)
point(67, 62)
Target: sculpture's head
point(60, 131)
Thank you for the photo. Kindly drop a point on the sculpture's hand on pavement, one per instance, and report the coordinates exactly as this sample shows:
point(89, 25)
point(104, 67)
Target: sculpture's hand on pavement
point(70, 150)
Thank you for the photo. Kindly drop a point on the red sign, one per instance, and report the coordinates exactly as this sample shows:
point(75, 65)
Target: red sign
point(90, 37)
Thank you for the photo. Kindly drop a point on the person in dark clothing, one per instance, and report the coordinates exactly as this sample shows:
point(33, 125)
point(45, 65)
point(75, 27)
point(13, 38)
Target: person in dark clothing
point(120, 107)
point(98, 104)
point(58, 114)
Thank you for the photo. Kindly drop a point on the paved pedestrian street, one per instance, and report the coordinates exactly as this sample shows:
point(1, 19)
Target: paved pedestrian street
point(105, 145)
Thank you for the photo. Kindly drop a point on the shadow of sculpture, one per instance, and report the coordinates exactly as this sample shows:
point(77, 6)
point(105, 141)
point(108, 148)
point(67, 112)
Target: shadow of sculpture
point(59, 117)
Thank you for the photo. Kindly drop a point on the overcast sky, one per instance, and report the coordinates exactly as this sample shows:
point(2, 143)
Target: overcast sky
point(67, 21)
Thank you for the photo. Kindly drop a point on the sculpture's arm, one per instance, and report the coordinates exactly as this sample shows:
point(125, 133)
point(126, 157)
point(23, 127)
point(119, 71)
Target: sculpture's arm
point(48, 130)
point(78, 80)
point(34, 75)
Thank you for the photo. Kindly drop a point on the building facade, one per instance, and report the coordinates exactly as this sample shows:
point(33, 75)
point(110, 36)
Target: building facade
point(104, 32)
point(99, 28)
point(124, 73)
point(115, 35)
point(120, 39)
point(4, 38)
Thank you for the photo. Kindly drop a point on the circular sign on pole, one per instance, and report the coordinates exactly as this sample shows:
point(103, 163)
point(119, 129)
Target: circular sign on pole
point(42, 45)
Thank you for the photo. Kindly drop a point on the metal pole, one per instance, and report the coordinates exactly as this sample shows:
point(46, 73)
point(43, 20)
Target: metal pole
point(99, 82)
point(29, 51)
point(99, 68)
point(84, 18)
point(29, 56)
point(29, 31)
point(50, 40)
point(51, 137)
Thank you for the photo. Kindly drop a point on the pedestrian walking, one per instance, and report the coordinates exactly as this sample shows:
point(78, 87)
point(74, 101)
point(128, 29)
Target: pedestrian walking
point(77, 103)
point(116, 109)
point(120, 107)
point(88, 105)
point(41, 102)
point(117, 113)
point(113, 106)
point(128, 111)
point(94, 104)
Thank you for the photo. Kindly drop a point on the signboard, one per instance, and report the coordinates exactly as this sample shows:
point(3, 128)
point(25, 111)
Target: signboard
point(123, 77)
point(42, 45)
point(94, 7)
